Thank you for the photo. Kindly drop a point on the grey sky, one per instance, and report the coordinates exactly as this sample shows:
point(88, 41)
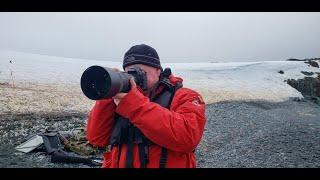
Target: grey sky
point(177, 36)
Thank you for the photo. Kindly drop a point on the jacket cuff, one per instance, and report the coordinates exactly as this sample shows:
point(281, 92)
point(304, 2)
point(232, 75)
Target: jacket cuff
point(130, 103)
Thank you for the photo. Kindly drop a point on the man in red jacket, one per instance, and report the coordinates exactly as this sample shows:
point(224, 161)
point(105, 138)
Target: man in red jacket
point(159, 127)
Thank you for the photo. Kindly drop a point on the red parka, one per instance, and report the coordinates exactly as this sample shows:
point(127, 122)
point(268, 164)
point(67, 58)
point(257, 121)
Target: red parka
point(179, 129)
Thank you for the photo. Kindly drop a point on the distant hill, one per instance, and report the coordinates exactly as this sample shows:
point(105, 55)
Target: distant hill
point(307, 59)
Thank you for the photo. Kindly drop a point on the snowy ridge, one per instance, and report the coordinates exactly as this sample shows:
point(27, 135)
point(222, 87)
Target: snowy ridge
point(215, 81)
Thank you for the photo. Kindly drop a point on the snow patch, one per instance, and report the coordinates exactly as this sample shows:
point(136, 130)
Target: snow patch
point(215, 81)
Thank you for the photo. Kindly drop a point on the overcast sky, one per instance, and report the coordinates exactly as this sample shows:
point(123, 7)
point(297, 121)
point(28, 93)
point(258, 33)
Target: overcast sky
point(178, 37)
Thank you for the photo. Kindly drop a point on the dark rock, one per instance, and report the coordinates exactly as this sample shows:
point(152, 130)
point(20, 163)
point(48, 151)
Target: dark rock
point(4, 84)
point(293, 59)
point(281, 72)
point(317, 59)
point(308, 86)
point(315, 100)
point(313, 63)
point(306, 59)
point(307, 73)
point(297, 99)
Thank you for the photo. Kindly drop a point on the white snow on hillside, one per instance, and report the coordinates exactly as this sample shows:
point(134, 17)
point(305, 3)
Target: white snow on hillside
point(215, 81)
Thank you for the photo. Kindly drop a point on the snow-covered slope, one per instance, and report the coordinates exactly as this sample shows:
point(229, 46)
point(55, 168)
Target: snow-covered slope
point(244, 80)
point(45, 69)
point(215, 81)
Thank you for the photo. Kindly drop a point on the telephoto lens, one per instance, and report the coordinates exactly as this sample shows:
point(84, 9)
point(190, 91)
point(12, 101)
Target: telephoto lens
point(102, 82)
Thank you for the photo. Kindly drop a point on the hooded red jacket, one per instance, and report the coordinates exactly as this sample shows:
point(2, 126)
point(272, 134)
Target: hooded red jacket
point(179, 129)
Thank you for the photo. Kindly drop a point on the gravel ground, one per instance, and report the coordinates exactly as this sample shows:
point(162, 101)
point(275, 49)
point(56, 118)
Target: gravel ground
point(238, 134)
point(261, 134)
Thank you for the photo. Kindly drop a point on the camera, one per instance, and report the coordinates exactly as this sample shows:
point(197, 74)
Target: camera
point(99, 82)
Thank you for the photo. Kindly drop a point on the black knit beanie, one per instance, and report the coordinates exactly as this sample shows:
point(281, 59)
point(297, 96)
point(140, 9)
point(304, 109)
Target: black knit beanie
point(142, 54)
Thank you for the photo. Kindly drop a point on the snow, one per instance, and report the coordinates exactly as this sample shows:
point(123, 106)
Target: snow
point(46, 69)
point(215, 81)
point(243, 80)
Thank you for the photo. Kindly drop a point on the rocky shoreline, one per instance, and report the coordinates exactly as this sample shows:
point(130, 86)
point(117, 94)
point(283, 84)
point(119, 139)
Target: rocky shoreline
point(308, 86)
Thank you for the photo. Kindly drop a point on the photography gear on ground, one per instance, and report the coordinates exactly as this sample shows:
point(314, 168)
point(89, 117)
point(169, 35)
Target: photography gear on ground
point(31, 144)
point(69, 147)
point(102, 82)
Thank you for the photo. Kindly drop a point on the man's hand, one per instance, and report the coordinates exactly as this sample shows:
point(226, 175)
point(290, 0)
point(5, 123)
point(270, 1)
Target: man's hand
point(117, 98)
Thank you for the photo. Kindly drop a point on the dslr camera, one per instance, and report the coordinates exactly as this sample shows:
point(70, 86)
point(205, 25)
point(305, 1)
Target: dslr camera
point(102, 82)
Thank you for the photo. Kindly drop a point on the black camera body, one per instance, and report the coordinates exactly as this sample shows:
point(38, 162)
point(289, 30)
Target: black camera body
point(99, 83)
point(140, 77)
